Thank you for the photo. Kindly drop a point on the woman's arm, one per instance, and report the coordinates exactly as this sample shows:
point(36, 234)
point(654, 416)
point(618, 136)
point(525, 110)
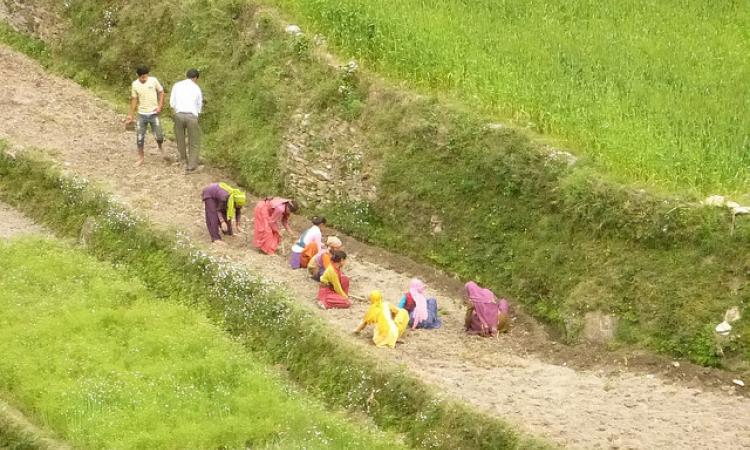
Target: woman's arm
point(360, 327)
point(336, 284)
point(285, 219)
point(276, 217)
point(469, 314)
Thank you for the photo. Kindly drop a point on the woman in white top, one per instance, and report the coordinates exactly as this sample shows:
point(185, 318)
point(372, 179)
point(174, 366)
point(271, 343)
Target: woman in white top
point(308, 244)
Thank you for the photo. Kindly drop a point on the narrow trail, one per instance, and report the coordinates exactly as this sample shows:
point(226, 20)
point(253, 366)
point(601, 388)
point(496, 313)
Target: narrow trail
point(575, 397)
point(14, 224)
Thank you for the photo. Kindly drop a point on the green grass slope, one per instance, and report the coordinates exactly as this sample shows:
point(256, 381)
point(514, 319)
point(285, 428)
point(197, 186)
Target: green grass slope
point(97, 358)
point(653, 91)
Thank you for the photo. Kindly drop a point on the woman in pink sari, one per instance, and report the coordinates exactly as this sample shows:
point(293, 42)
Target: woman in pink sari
point(486, 315)
point(423, 311)
point(270, 215)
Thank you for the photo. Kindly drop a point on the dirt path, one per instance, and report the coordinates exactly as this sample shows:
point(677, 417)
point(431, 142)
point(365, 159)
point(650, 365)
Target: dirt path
point(13, 223)
point(574, 397)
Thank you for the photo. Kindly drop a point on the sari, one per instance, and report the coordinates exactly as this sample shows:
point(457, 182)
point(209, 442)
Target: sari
point(334, 289)
point(390, 322)
point(320, 262)
point(268, 215)
point(487, 315)
point(306, 246)
point(423, 312)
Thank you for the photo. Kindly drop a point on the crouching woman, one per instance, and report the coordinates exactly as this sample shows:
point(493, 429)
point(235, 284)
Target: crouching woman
point(486, 315)
point(390, 322)
point(334, 285)
point(222, 203)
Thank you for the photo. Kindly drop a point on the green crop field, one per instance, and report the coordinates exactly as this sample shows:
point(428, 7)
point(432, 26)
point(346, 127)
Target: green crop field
point(656, 92)
point(93, 356)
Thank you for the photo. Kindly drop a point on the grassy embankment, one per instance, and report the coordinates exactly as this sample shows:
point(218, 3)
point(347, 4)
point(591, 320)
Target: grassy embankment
point(94, 356)
point(261, 318)
point(654, 91)
point(560, 241)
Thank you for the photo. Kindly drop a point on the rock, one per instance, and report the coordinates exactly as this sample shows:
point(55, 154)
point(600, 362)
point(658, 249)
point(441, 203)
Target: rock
point(293, 30)
point(714, 200)
point(87, 230)
point(599, 327)
point(321, 175)
point(739, 382)
point(436, 224)
point(732, 314)
point(293, 149)
point(556, 154)
point(675, 364)
point(496, 126)
point(723, 328)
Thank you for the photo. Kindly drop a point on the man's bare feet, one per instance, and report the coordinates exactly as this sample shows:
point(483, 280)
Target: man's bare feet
point(138, 163)
point(219, 242)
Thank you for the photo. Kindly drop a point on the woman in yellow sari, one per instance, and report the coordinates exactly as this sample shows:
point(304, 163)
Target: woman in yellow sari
point(390, 322)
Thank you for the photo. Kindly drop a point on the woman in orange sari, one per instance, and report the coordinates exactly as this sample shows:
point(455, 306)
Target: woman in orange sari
point(269, 216)
point(320, 262)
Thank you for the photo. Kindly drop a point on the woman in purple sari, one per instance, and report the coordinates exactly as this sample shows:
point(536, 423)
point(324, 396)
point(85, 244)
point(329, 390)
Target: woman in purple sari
point(486, 315)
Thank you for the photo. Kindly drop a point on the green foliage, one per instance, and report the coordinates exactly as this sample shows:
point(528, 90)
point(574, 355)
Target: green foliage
point(25, 44)
point(563, 242)
point(107, 365)
point(652, 91)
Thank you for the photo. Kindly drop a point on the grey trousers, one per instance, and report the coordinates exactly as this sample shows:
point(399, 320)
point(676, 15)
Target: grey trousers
point(186, 122)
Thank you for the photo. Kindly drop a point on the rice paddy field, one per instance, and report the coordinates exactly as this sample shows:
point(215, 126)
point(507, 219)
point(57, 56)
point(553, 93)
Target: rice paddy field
point(653, 92)
point(92, 356)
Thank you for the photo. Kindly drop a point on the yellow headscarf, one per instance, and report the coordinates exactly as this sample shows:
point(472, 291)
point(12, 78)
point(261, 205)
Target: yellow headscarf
point(236, 198)
point(379, 314)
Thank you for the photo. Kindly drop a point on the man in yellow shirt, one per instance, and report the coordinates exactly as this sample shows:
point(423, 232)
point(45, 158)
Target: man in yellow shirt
point(147, 94)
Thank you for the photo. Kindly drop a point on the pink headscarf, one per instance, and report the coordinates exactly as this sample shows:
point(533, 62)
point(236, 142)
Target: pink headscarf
point(277, 201)
point(416, 289)
point(479, 294)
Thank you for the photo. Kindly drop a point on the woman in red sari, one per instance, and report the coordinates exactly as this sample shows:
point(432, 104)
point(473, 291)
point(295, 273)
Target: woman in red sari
point(270, 215)
point(334, 285)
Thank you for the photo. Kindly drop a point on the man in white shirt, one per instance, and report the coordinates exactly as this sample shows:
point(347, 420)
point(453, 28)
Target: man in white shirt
point(147, 94)
point(187, 102)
